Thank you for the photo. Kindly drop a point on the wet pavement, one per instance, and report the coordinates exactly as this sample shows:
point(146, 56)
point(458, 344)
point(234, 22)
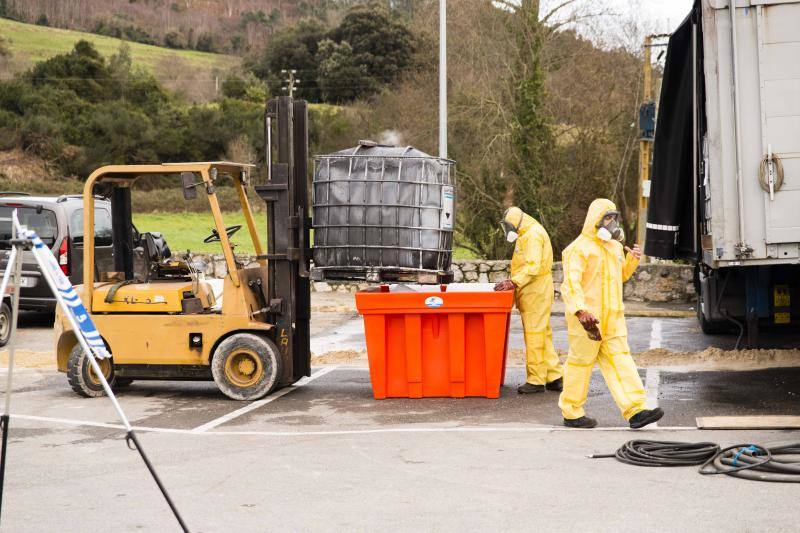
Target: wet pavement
point(644, 333)
point(326, 456)
point(341, 398)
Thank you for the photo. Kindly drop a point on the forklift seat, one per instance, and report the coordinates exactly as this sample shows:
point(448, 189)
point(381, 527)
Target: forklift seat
point(155, 247)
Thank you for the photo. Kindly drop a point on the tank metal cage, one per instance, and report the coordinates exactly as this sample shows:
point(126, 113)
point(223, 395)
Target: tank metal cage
point(383, 213)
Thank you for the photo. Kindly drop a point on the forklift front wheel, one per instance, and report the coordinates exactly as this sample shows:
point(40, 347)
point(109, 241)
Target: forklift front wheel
point(82, 377)
point(246, 366)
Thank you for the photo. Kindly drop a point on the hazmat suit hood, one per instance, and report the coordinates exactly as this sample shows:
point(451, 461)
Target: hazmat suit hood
point(515, 217)
point(597, 210)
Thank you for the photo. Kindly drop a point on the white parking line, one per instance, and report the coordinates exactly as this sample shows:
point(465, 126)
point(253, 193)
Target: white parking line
point(655, 334)
point(258, 403)
point(343, 432)
point(652, 381)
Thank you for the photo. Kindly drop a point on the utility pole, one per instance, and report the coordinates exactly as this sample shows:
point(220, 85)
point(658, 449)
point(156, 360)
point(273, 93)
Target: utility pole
point(647, 130)
point(290, 80)
point(443, 79)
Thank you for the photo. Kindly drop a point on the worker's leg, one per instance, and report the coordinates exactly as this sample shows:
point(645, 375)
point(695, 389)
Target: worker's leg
point(622, 378)
point(577, 374)
point(554, 368)
point(542, 363)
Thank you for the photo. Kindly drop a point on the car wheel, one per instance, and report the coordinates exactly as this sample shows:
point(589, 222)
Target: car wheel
point(82, 377)
point(246, 366)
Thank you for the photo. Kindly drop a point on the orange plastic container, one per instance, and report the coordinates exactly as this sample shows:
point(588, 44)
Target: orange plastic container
point(435, 343)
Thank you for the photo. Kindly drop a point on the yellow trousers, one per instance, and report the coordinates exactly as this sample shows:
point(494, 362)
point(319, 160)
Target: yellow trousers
point(534, 302)
point(618, 369)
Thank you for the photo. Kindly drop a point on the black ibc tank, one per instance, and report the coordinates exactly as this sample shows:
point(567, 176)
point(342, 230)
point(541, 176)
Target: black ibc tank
point(383, 213)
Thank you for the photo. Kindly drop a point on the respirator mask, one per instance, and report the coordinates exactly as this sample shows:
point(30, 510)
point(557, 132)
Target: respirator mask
point(510, 231)
point(607, 231)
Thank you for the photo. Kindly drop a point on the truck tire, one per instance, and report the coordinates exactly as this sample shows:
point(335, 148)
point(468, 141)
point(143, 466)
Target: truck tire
point(81, 376)
point(707, 326)
point(246, 366)
point(5, 324)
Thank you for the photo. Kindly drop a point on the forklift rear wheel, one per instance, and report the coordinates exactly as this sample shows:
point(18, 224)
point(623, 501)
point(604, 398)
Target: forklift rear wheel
point(5, 324)
point(246, 366)
point(82, 377)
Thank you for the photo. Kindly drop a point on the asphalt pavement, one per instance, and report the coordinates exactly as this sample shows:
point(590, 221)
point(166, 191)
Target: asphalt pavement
point(644, 333)
point(325, 456)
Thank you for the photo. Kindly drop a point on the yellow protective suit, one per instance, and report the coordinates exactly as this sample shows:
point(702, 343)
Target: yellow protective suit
point(594, 271)
point(531, 273)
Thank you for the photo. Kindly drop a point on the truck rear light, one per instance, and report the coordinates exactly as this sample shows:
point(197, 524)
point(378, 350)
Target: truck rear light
point(63, 259)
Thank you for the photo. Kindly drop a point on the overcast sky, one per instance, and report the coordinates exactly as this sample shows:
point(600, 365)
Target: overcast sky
point(665, 15)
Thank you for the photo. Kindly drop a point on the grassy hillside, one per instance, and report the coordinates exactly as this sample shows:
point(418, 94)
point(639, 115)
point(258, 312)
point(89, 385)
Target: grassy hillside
point(178, 69)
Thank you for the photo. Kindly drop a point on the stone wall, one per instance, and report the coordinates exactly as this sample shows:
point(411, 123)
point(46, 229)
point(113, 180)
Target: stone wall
point(653, 282)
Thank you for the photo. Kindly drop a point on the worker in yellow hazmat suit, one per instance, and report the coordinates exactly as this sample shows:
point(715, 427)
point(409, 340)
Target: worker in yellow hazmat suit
point(532, 282)
point(595, 267)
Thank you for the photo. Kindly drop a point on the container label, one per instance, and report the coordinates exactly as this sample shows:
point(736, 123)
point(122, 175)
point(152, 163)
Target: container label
point(433, 302)
point(448, 205)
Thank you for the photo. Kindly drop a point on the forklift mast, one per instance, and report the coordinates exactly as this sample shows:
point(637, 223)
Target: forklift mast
point(288, 225)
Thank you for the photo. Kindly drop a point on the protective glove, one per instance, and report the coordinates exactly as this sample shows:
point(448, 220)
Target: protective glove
point(505, 285)
point(589, 323)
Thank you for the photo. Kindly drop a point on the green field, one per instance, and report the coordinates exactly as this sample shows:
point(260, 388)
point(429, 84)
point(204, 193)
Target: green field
point(30, 43)
point(186, 231)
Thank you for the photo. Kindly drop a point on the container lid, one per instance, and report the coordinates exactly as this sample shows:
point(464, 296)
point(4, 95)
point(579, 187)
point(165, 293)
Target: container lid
point(424, 299)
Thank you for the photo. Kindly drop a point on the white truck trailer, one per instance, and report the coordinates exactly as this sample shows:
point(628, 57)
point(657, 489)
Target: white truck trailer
point(725, 189)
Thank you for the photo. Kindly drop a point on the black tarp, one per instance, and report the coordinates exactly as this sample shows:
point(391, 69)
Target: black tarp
point(670, 217)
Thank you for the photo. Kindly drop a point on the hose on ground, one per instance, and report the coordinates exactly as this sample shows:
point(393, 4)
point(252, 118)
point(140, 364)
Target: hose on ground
point(663, 453)
point(777, 464)
point(763, 173)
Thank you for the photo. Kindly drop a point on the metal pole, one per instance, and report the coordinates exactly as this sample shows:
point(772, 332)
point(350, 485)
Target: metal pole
point(741, 248)
point(15, 264)
point(443, 79)
point(268, 136)
point(644, 144)
point(695, 169)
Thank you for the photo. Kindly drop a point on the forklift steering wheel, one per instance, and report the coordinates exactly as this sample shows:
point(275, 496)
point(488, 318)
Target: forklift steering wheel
point(214, 237)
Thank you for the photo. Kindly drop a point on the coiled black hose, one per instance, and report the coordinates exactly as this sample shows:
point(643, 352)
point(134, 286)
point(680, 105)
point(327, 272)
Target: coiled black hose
point(663, 453)
point(777, 464)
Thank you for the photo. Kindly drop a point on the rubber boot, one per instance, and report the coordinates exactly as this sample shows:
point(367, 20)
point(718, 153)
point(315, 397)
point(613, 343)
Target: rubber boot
point(555, 385)
point(583, 422)
point(643, 418)
point(530, 388)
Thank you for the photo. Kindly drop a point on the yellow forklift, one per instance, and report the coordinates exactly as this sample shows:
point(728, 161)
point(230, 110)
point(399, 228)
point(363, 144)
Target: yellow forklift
point(161, 319)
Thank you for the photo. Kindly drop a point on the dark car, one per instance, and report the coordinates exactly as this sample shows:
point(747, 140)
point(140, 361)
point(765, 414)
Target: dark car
point(58, 220)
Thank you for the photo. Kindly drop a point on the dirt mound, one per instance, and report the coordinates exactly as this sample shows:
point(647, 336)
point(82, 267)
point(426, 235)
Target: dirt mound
point(340, 357)
point(28, 359)
point(718, 359)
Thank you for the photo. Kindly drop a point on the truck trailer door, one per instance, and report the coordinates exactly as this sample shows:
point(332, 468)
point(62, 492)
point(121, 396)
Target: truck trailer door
point(779, 73)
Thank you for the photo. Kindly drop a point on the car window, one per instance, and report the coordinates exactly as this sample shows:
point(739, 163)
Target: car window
point(102, 227)
point(42, 222)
